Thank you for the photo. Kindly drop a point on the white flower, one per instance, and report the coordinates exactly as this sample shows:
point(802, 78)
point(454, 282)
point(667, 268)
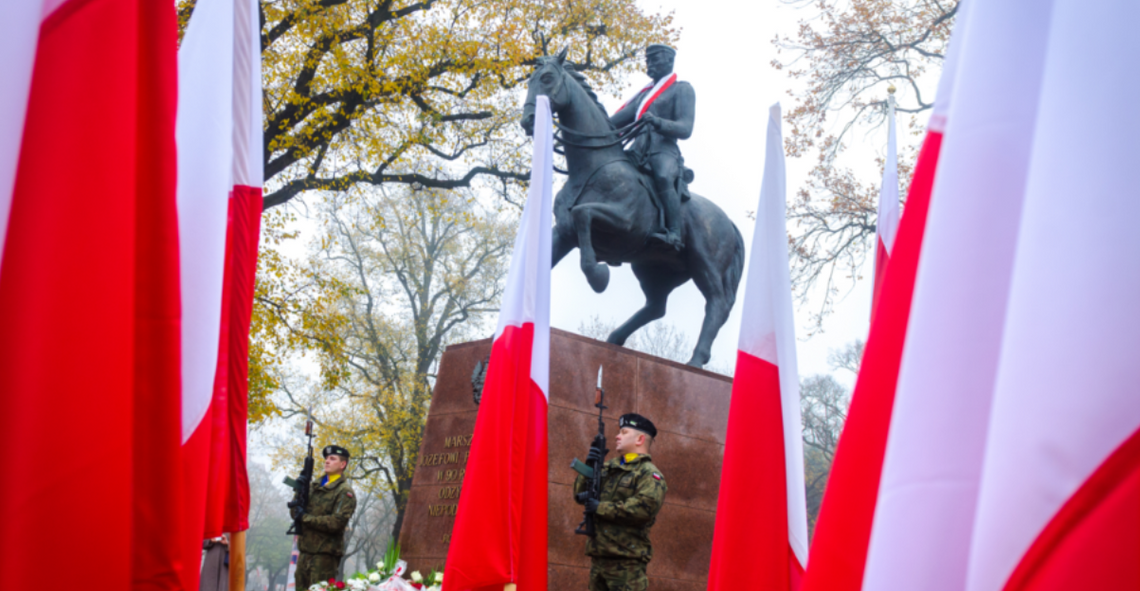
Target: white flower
point(374, 577)
point(439, 578)
point(380, 566)
point(316, 587)
point(417, 577)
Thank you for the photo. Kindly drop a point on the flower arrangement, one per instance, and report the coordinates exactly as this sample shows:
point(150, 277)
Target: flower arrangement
point(387, 576)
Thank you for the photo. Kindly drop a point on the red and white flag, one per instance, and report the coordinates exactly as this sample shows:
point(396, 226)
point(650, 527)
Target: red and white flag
point(89, 300)
point(887, 222)
point(843, 528)
point(932, 466)
point(501, 525)
point(761, 518)
point(219, 207)
point(1058, 505)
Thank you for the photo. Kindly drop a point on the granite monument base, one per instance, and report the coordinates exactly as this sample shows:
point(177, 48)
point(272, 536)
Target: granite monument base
point(689, 407)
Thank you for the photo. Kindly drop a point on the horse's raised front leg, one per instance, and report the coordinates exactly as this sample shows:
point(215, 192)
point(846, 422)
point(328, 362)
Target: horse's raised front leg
point(562, 242)
point(585, 216)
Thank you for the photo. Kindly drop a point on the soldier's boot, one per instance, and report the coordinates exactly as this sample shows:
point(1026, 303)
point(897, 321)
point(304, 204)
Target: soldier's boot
point(671, 200)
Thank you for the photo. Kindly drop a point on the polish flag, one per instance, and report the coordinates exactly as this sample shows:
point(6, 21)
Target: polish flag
point(501, 525)
point(219, 206)
point(1059, 501)
point(887, 223)
point(89, 299)
point(843, 528)
point(932, 467)
point(761, 523)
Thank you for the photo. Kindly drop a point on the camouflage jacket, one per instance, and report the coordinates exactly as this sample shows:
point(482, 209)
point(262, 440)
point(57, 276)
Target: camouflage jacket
point(632, 495)
point(330, 508)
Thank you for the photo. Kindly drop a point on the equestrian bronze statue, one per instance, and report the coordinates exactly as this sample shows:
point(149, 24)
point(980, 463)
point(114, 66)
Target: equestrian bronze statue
point(635, 207)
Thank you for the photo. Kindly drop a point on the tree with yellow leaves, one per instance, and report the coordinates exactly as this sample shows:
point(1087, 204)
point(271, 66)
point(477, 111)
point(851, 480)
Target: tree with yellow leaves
point(848, 54)
point(395, 277)
point(424, 93)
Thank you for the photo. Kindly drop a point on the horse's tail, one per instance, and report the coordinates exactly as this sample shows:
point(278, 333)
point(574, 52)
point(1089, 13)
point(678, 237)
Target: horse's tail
point(735, 268)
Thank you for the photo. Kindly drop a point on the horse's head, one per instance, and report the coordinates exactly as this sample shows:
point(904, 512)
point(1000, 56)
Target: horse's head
point(549, 78)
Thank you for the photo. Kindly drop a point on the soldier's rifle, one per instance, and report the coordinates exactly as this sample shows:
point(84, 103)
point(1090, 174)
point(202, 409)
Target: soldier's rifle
point(301, 485)
point(592, 469)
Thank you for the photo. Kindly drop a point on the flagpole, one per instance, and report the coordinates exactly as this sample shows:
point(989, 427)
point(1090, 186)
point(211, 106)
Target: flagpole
point(237, 561)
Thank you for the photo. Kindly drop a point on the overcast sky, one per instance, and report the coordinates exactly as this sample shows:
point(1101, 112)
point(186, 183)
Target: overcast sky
point(726, 52)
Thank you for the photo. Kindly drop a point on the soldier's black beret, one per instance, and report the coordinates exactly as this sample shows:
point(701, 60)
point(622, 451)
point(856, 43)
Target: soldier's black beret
point(636, 421)
point(658, 47)
point(335, 450)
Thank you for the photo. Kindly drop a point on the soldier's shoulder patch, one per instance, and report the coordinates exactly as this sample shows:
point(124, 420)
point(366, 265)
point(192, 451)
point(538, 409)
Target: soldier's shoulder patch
point(348, 494)
point(657, 476)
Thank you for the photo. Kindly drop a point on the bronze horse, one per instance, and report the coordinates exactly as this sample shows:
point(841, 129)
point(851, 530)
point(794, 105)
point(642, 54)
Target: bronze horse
point(607, 210)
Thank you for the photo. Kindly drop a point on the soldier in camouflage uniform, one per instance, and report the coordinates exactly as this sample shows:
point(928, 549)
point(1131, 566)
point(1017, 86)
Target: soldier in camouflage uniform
point(632, 492)
point(331, 504)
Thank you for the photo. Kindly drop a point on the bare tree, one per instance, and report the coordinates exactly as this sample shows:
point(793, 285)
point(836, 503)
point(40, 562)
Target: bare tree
point(823, 410)
point(848, 53)
point(848, 357)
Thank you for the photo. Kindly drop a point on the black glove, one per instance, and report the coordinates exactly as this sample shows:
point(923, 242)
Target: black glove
point(594, 456)
point(592, 506)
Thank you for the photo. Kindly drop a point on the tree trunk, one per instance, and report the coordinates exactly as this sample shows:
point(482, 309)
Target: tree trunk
point(401, 507)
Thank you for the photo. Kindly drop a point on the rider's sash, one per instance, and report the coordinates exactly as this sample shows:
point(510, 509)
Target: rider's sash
point(655, 91)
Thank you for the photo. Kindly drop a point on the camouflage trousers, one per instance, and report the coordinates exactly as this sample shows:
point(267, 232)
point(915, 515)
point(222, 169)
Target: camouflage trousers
point(314, 568)
point(618, 574)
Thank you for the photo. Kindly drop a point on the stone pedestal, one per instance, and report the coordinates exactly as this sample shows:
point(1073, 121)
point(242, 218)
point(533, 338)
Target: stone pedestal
point(688, 406)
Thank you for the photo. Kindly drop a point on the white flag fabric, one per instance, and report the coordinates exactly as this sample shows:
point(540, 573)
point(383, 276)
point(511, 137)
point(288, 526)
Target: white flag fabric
point(932, 467)
point(761, 509)
point(887, 222)
point(1014, 454)
point(500, 532)
point(1059, 505)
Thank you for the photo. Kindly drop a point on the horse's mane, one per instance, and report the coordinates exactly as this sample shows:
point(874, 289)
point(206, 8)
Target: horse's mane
point(580, 78)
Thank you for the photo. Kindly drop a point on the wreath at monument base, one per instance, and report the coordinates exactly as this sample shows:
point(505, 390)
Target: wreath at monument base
point(387, 576)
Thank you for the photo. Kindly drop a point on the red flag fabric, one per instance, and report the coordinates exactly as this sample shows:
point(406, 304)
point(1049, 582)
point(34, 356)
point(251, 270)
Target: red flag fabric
point(219, 201)
point(89, 296)
point(156, 558)
point(761, 523)
point(1058, 505)
point(1013, 457)
point(928, 490)
point(500, 533)
point(843, 528)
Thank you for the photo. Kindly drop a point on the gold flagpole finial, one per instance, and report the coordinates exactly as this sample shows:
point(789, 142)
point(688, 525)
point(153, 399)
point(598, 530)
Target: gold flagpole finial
point(891, 89)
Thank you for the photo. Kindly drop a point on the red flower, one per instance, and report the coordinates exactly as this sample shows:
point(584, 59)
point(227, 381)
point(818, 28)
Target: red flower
point(340, 584)
point(418, 585)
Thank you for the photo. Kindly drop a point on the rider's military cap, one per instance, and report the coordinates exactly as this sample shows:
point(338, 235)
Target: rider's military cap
point(658, 47)
point(335, 450)
point(636, 421)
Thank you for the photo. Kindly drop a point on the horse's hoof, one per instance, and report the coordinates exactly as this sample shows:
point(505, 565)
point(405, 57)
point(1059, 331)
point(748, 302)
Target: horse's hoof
point(598, 277)
point(699, 360)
